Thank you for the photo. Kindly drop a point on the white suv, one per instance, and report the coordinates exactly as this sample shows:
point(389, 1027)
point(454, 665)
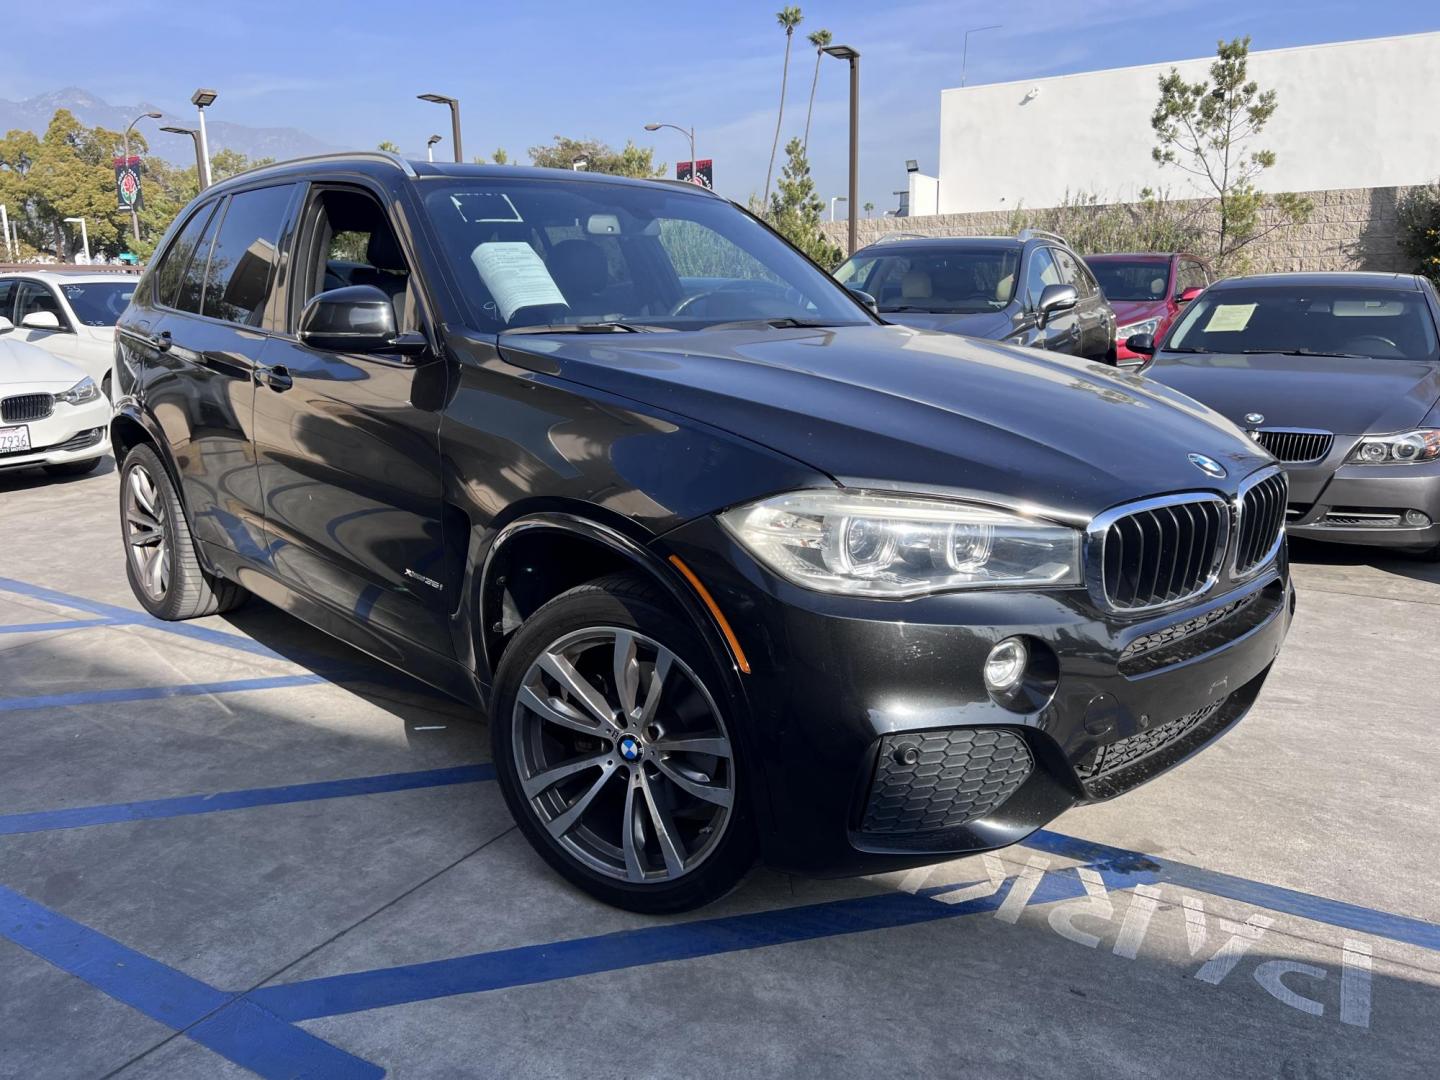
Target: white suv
point(68, 314)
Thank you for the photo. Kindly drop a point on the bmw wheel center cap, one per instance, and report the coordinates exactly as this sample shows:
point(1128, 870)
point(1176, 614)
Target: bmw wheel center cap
point(629, 748)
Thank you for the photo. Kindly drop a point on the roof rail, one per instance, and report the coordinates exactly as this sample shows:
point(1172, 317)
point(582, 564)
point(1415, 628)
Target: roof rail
point(1041, 234)
point(341, 155)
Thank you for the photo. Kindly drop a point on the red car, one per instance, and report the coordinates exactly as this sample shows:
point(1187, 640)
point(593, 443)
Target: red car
point(1147, 290)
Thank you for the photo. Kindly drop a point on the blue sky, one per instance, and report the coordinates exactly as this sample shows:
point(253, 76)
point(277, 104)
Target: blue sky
point(348, 72)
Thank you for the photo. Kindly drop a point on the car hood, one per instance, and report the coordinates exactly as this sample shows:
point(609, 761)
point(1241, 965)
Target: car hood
point(1333, 393)
point(984, 324)
point(896, 408)
point(1133, 311)
point(27, 369)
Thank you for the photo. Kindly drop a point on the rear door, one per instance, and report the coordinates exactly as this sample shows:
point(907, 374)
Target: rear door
point(202, 384)
point(348, 444)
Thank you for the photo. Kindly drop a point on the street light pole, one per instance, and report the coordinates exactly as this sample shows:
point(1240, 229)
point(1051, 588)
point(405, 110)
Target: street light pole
point(965, 52)
point(454, 103)
point(5, 232)
point(833, 200)
point(430, 147)
point(134, 214)
point(845, 52)
point(84, 236)
point(690, 134)
point(195, 138)
point(201, 99)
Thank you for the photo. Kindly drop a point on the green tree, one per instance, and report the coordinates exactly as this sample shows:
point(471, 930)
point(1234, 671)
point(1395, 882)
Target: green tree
point(788, 18)
point(1205, 129)
point(500, 157)
point(1419, 217)
point(820, 38)
point(388, 146)
point(795, 209)
point(631, 161)
point(869, 209)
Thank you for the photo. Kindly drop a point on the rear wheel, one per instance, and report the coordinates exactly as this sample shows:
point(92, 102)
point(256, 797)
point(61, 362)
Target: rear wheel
point(614, 754)
point(161, 562)
point(73, 468)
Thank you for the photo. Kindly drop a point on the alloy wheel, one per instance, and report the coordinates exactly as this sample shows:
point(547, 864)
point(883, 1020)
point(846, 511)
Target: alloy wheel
point(147, 536)
point(623, 756)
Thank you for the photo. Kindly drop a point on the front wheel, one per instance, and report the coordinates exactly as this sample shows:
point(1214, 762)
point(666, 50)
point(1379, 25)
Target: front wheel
point(614, 755)
point(160, 557)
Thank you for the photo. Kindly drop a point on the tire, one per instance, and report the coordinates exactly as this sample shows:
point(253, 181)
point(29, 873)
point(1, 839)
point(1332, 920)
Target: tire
point(161, 562)
point(73, 468)
point(614, 846)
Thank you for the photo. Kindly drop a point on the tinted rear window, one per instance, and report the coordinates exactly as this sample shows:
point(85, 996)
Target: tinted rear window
point(178, 256)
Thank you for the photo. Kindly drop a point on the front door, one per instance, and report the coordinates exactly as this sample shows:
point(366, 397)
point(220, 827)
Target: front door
point(1061, 333)
point(35, 298)
point(348, 444)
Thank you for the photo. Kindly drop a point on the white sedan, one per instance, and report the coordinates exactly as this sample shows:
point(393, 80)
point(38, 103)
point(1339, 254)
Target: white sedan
point(69, 314)
point(51, 413)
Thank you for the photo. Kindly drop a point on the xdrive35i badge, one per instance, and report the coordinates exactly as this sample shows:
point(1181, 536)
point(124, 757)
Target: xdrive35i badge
point(1208, 465)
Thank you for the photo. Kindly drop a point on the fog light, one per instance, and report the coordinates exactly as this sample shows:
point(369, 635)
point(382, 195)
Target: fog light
point(1416, 518)
point(1005, 666)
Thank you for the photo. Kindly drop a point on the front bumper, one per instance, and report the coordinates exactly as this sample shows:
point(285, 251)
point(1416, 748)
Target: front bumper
point(842, 691)
point(1363, 504)
point(69, 433)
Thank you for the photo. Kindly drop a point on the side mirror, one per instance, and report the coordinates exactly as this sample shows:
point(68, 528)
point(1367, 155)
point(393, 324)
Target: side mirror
point(41, 320)
point(1143, 344)
point(5, 325)
point(1186, 295)
point(1055, 299)
point(356, 319)
point(864, 298)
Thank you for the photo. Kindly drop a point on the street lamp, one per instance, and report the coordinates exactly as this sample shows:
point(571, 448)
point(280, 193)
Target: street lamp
point(84, 235)
point(690, 134)
point(965, 52)
point(5, 232)
point(454, 103)
point(134, 215)
point(430, 147)
point(845, 52)
point(199, 159)
point(579, 164)
point(833, 200)
point(202, 99)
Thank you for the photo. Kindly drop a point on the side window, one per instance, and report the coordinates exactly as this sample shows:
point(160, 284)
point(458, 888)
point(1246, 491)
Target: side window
point(177, 256)
point(1073, 273)
point(1191, 276)
point(34, 298)
point(243, 260)
point(350, 242)
point(1040, 272)
point(7, 299)
point(191, 286)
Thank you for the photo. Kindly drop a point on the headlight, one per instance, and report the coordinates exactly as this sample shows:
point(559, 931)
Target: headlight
point(869, 544)
point(1149, 326)
point(1409, 448)
point(83, 391)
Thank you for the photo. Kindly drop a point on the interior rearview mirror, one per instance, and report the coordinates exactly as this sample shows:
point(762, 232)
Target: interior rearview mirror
point(356, 319)
point(1055, 299)
point(41, 320)
point(864, 298)
point(1143, 344)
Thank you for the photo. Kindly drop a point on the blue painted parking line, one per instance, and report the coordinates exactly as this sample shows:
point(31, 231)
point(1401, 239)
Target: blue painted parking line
point(57, 624)
point(238, 1030)
point(1383, 924)
point(155, 693)
point(81, 817)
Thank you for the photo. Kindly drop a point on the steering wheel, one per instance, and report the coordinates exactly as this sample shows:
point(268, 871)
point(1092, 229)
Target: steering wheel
point(1357, 344)
point(749, 292)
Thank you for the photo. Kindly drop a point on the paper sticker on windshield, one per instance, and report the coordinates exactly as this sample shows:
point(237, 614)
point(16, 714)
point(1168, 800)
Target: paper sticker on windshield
point(485, 206)
point(1229, 318)
point(516, 276)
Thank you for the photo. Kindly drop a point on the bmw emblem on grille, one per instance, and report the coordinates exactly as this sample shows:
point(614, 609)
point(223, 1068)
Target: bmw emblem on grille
point(1208, 465)
point(1254, 418)
point(629, 748)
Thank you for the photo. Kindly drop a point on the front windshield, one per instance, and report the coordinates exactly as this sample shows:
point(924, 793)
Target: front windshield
point(1140, 279)
point(537, 252)
point(99, 303)
point(961, 281)
point(1328, 320)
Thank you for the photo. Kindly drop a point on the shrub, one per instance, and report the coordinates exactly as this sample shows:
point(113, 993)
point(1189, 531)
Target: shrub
point(1419, 216)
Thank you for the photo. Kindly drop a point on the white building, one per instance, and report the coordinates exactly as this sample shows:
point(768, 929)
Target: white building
point(1354, 114)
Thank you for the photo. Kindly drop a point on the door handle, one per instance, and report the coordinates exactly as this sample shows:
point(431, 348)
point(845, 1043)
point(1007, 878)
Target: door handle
point(160, 342)
point(277, 378)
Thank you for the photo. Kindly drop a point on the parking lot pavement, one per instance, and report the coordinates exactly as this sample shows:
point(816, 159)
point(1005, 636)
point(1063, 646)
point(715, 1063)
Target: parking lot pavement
point(232, 847)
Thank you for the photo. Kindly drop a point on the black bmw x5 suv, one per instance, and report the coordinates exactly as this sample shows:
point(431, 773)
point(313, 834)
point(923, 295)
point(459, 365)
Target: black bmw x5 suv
point(735, 569)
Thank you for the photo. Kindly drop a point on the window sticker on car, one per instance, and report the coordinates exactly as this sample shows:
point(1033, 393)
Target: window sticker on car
point(516, 276)
point(485, 206)
point(1229, 318)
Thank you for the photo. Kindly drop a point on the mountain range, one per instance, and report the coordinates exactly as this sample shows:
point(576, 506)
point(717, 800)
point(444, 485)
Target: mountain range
point(33, 114)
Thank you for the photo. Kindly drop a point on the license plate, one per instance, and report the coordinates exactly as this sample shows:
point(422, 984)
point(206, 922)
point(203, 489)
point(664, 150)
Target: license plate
point(14, 439)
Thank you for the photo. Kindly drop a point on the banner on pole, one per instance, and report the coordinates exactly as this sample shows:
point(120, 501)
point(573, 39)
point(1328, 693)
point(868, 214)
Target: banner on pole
point(684, 171)
point(127, 184)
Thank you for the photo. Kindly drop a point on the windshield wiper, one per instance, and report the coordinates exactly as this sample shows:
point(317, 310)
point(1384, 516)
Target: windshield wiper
point(1187, 348)
point(589, 328)
point(785, 322)
point(1304, 352)
point(912, 307)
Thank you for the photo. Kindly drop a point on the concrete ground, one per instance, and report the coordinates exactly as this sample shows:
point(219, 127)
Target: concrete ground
point(233, 847)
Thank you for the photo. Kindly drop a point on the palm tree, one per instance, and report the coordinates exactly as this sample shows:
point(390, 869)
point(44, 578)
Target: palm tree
point(820, 38)
point(869, 208)
point(789, 18)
